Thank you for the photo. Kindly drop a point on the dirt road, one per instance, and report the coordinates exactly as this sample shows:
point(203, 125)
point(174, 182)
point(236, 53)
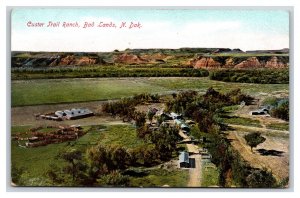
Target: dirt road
point(194, 173)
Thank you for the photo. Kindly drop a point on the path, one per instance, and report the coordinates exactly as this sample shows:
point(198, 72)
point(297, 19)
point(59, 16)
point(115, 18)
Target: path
point(195, 173)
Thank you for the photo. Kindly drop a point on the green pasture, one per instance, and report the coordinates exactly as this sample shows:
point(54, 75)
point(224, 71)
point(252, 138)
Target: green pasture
point(53, 91)
point(156, 177)
point(36, 161)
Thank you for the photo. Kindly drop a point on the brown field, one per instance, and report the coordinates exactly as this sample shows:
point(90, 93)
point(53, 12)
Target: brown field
point(275, 148)
point(22, 116)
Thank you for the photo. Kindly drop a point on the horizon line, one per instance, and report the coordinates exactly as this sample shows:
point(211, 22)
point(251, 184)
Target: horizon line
point(154, 49)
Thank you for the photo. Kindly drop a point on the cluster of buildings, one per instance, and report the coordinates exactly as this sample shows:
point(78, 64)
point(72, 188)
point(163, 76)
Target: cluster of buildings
point(177, 119)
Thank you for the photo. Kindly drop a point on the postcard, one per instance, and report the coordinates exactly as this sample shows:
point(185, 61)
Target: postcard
point(144, 97)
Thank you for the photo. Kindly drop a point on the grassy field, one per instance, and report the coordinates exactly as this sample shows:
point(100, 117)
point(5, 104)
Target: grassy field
point(74, 90)
point(278, 126)
point(210, 175)
point(36, 161)
point(160, 177)
point(241, 121)
point(121, 135)
point(35, 92)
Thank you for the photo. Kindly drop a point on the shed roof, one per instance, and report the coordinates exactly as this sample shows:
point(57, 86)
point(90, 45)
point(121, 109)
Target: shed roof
point(184, 157)
point(184, 126)
point(74, 112)
point(174, 115)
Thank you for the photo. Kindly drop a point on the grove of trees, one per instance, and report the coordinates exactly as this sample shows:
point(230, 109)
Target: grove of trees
point(260, 76)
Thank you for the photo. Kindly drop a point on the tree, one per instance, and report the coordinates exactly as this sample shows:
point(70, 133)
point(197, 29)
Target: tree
point(113, 179)
point(150, 155)
point(97, 159)
point(151, 114)
point(282, 111)
point(261, 179)
point(54, 174)
point(75, 166)
point(74, 171)
point(165, 140)
point(140, 118)
point(254, 139)
point(119, 157)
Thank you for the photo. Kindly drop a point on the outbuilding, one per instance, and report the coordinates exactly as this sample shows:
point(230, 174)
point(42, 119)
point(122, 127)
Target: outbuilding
point(175, 116)
point(74, 113)
point(185, 127)
point(184, 160)
point(178, 122)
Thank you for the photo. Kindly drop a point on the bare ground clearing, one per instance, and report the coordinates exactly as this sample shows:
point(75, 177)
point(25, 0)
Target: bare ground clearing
point(22, 116)
point(25, 115)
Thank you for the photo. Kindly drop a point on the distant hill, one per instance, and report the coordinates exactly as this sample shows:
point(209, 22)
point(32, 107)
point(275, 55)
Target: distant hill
point(210, 58)
point(282, 51)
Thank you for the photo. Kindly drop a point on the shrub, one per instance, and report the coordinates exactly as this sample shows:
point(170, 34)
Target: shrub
point(261, 179)
point(282, 111)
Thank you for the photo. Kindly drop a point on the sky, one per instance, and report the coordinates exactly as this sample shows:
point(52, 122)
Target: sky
point(159, 28)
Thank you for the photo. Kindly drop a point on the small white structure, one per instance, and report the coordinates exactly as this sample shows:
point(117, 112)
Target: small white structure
point(175, 116)
point(68, 114)
point(243, 103)
point(185, 127)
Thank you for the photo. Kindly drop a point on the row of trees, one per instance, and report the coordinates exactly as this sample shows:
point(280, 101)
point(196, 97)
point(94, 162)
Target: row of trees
point(107, 71)
point(263, 76)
